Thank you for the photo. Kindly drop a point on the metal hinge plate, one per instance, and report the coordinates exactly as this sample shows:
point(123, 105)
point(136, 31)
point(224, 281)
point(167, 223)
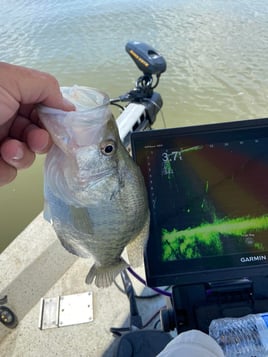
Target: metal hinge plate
point(66, 310)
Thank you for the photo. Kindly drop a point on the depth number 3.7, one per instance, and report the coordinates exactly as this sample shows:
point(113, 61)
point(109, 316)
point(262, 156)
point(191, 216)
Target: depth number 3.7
point(173, 156)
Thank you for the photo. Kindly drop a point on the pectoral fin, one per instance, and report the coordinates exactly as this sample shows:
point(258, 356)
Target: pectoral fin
point(47, 213)
point(81, 220)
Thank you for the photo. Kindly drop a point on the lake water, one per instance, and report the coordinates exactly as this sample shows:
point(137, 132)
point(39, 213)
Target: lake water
point(216, 52)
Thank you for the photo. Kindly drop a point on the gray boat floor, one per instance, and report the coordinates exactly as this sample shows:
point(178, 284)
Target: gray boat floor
point(110, 305)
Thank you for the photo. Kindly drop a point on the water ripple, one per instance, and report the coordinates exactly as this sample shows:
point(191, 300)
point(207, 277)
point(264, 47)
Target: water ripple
point(216, 50)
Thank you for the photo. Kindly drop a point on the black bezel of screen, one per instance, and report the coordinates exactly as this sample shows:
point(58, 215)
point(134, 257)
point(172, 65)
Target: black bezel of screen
point(159, 273)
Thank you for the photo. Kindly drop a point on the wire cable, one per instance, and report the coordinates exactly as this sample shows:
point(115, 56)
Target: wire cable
point(141, 297)
point(152, 318)
point(139, 278)
point(159, 108)
point(117, 105)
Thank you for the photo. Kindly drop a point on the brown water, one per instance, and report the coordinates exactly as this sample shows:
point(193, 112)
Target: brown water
point(216, 51)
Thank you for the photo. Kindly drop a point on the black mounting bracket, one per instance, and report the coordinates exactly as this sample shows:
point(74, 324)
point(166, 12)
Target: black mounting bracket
point(7, 316)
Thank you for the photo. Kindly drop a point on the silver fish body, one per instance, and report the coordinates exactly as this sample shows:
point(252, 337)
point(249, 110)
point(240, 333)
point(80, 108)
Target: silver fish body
point(95, 195)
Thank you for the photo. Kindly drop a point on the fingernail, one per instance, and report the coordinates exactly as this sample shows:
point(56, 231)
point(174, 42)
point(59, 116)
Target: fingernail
point(18, 155)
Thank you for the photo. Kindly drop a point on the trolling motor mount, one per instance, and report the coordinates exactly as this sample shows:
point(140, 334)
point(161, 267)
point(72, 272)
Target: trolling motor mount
point(7, 316)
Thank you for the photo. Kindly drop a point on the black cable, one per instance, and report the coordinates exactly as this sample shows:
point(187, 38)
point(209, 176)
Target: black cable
point(152, 317)
point(152, 296)
point(119, 287)
point(159, 109)
point(135, 318)
point(157, 81)
point(117, 331)
point(117, 105)
point(157, 322)
point(141, 297)
point(158, 290)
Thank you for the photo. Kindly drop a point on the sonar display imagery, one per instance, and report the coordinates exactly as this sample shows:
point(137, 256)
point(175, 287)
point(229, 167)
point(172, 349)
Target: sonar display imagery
point(211, 199)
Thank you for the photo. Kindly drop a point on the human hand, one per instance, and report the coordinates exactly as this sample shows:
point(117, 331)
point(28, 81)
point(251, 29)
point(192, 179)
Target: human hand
point(21, 132)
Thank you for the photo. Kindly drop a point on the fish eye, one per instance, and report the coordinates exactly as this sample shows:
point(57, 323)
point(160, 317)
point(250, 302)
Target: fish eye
point(108, 147)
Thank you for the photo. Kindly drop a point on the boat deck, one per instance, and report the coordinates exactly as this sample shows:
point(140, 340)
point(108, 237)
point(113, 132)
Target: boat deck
point(35, 266)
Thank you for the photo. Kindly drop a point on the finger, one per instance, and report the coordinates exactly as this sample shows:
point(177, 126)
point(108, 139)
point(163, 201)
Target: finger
point(4, 127)
point(18, 128)
point(7, 173)
point(38, 140)
point(30, 86)
point(17, 154)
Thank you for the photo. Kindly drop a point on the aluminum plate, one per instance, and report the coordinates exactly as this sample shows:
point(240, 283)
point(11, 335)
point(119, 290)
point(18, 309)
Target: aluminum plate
point(66, 310)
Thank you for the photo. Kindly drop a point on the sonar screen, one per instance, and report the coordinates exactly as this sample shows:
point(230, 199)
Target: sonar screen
point(208, 196)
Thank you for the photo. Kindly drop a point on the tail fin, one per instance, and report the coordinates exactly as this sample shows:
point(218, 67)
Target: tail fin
point(104, 276)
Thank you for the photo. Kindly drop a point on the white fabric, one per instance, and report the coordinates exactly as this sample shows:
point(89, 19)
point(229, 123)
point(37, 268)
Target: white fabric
point(192, 343)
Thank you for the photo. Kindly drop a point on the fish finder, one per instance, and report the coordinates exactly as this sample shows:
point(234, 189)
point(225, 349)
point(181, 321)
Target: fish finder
point(208, 195)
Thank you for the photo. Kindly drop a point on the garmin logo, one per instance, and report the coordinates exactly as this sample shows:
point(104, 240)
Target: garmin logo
point(253, 258)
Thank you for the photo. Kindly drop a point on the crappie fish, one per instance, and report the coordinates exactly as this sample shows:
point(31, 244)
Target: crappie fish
point(95, 195)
